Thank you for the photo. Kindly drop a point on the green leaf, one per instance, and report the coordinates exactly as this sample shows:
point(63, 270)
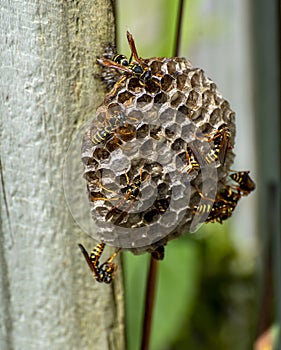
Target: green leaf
point(177, 290)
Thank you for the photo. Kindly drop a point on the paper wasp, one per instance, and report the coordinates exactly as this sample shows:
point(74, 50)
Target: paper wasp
point(221, 143)
point(106, 131)
point(246, 184)
point(104, 272)
point(136, 68)
point(219, 209)
point(224, 205)
point(131, 193)
point(142, 73)
point(121, 59)
point(191, 160)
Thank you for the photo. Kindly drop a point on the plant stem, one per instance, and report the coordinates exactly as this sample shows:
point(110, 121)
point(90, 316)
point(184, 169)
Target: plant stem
point(149, 303)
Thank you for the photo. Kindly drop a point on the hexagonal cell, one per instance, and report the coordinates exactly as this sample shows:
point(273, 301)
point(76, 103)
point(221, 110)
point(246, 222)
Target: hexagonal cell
point(100, 118)
point(172, 129)
point(181, 81)
point(167, 115)
point(229, 116)
point(107, 175)
point(99, 211)
point(165, 156)
point(188, 132)
point(196, 79)
point(193, 100)
point(182, 64)
point(101, 154)
point(142, 131)
point(182, 114)
point(178, 145)
point(155, 169)
point(225, 106)
point(126, 132)
point(177, 98)
point(178, 191)
point(89, 161)
point(90, 175)
point(113, 144)
point(167, 82)
point(156, 132)
point(208, 98)
point(144, 99)
point(114, 108)
point(134, 221)
point(119, 161)
point(161, 98)
point(213, 87)
point(170, 134)
point(162, 204)
point(199, 115)
point(151, 114)
point(172, 67)
point(135, 116)
point(147, 148)
point(133, 84)
point(153, 86)
point(205, 129)
point(215, 116)
point(155, 67)
point(163, 189)
point(151, 216)
point(169, 219)
point(124, 97)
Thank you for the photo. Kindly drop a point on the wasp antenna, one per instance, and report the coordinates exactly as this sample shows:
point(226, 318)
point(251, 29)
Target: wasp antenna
point(132, 45)
point(129, 36)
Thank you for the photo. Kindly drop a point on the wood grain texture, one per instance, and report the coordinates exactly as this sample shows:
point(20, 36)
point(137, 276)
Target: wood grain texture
point(48, 299)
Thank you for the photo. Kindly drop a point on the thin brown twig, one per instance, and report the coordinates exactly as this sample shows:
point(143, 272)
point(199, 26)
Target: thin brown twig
point(149, 303)
point(179, 29)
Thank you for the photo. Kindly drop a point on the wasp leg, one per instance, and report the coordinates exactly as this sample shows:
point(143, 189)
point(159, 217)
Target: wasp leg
point(116, 86)
point(107, 271)
point(104, 199)
point(188, 164)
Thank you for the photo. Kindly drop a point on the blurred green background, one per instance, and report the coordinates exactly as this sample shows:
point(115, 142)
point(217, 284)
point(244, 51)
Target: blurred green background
point(209, 286)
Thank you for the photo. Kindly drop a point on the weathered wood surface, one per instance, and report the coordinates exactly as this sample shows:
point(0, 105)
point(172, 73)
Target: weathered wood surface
point(48, 90)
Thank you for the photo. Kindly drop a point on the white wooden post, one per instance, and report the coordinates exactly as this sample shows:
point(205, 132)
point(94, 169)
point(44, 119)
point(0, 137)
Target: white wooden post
point(48, 299)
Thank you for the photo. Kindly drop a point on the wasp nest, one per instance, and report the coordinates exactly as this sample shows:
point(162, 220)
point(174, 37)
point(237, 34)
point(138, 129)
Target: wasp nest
point(157, 153)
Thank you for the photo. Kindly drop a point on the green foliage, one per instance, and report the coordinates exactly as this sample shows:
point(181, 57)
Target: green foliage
point(222, 315)
point(135, 272)
point(198, 25)
point(202, 301)
point(154, 25)
point(177, 288)
point(177, 285)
